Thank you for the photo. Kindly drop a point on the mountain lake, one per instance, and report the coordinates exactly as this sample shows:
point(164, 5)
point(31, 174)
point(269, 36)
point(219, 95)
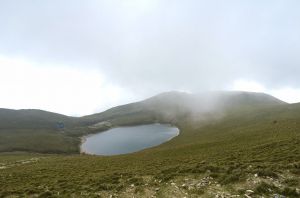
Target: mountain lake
point(129, 139)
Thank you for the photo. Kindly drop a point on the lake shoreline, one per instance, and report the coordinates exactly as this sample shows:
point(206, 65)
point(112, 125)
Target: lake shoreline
point(83, 139)
point(135, 132)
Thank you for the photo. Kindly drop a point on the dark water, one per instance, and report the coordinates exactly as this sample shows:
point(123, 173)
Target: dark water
point(128, 139)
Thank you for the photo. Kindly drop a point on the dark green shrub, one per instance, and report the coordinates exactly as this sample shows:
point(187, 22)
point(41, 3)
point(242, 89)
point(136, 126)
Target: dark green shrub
point(46, 194)
point(105, 187)
point(290, 192)
point(296, 171)
point(214, 175)
point(266, 173)
point(231, 178)
point(136, 181)
point(264, 188)
point(197, 191)
point(291, 182)
point(213, 169)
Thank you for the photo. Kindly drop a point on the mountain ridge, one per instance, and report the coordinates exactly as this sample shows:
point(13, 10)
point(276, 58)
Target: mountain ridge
point(18, 127)
point(184, 103)
point(252, 147)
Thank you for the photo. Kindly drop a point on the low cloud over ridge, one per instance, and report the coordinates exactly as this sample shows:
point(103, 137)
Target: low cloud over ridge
point(148, 46)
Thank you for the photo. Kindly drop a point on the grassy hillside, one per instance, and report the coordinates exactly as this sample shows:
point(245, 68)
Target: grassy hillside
point(38, 131)
point(32, 119)
point(173, 106)
point(46, 132)
point(250, 146)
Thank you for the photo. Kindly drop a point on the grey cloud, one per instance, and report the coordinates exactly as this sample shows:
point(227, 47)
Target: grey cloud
point(190, 45)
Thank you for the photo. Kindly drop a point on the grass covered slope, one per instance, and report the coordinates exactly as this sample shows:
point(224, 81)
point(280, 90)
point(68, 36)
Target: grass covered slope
point(171, 107)
point(252, 148)
point(37, 131)
point(46, 132)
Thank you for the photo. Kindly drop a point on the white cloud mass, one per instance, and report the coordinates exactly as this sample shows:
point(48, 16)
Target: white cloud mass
point(79, 57)
point(73, 91)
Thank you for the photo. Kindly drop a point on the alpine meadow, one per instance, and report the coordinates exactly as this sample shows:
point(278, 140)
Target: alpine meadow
point(149, 98)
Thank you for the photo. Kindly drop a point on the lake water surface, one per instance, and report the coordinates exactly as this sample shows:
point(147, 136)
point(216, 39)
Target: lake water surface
point(123, 140)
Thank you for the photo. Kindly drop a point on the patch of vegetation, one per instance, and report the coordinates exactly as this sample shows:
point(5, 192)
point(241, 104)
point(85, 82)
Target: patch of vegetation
point(292, 182)
point(290, 192)
point(231, 149)
point(230, 178)
point(197, 191)
point(266, 173)
point(265, 188)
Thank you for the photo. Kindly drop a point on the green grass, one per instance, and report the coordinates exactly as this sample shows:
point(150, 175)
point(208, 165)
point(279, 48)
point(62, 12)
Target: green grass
point(242, 150)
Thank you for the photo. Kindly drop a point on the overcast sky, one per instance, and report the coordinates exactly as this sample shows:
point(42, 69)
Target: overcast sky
point(80, 57)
